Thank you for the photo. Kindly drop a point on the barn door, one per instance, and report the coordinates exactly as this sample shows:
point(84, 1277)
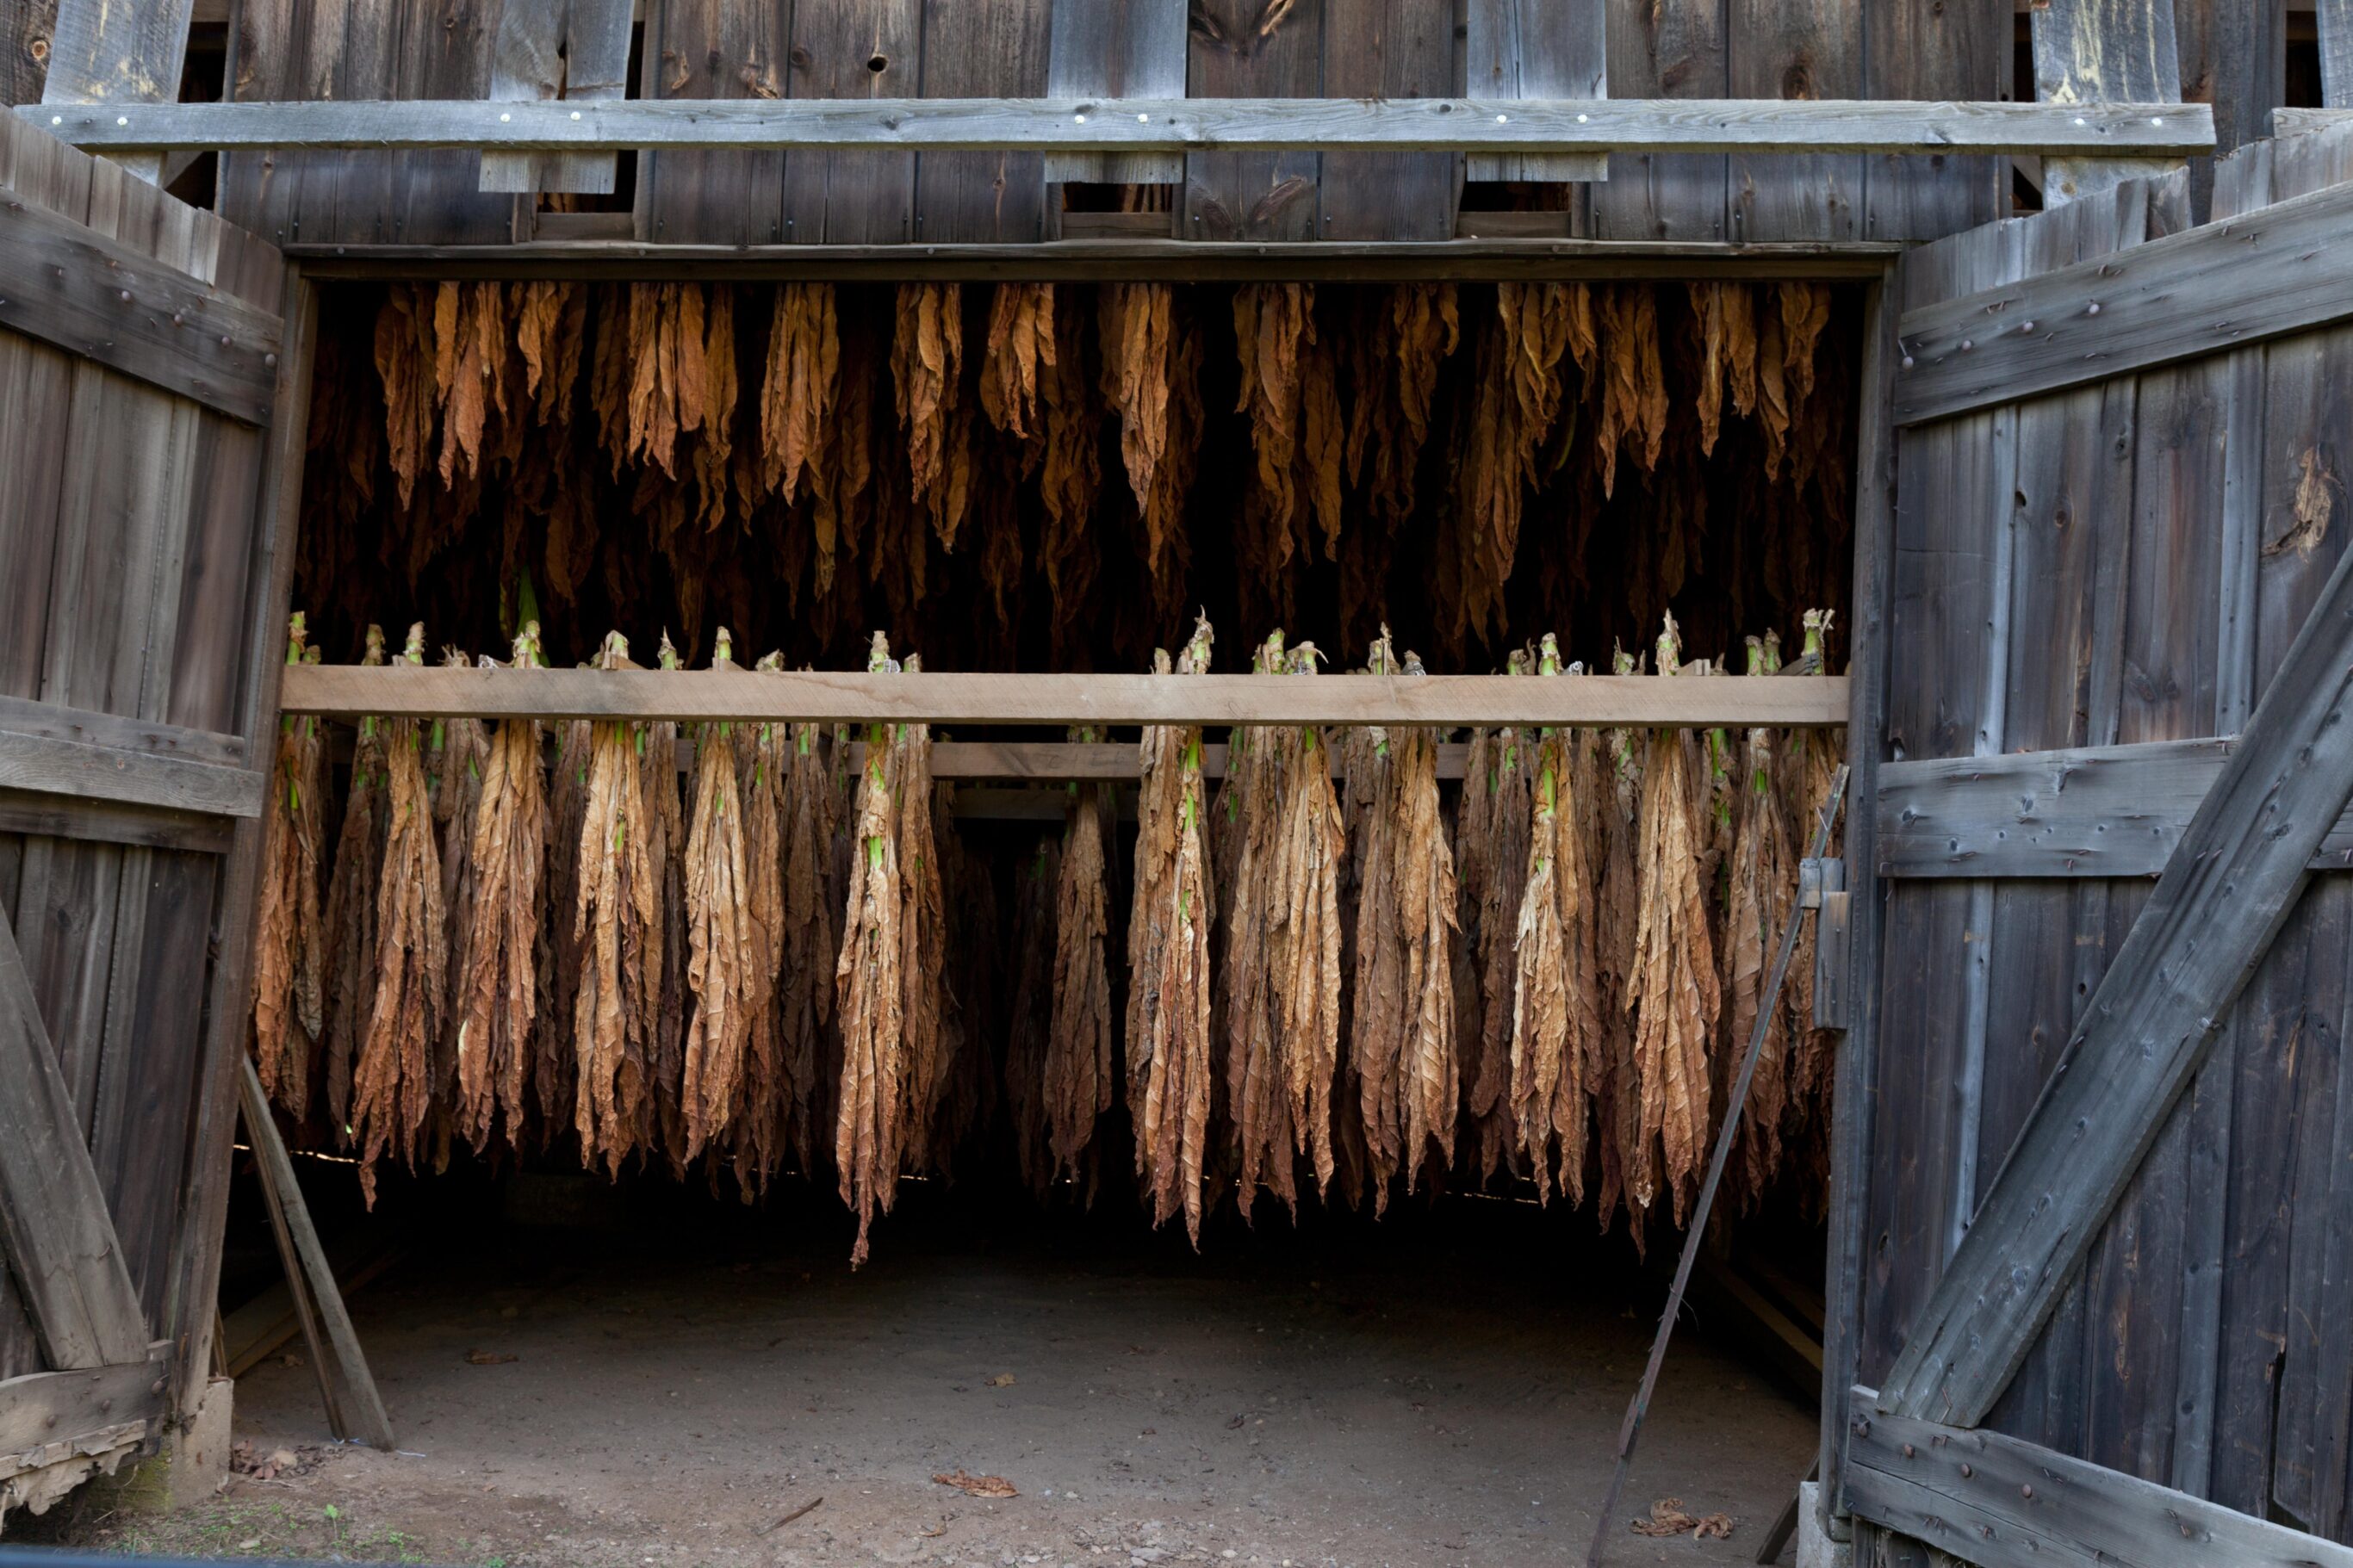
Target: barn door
point(2102, 1175)
point(148, 371)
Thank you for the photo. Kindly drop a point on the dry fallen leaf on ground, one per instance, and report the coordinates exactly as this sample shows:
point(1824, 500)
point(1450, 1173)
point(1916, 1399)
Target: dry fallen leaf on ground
point(1668, 1518)
point(1002, 1380)
point(489, 1358)
point(977, 1485)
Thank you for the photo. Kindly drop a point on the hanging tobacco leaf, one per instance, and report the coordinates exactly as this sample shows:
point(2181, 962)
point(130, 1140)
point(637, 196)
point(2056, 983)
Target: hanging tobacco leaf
point(351, 909)
point(616, 925)
point(496, 997)
point(290, 940)
point(926, 362)
point(724, 956)
point(798, 391)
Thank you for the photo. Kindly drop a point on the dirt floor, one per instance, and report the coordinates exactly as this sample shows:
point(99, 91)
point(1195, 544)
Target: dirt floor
point(1445, 1388)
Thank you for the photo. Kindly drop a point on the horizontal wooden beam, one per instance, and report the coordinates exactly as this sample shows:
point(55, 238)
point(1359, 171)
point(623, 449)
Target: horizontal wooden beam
point(2221, 285)
point(940, 698)
point(65, 752)
point(2000, 1503)
point(1152, 125)
point(2286, 121)
point(113, 822)
point(1107, 260)
point(45, 1408)
point(97, 299)
point(2098, 811)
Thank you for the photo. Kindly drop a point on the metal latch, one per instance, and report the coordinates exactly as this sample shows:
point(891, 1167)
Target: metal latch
point(1821, 886)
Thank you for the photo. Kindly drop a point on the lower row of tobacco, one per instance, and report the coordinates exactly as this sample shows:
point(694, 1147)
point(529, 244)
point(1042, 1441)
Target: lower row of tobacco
point(531, 938)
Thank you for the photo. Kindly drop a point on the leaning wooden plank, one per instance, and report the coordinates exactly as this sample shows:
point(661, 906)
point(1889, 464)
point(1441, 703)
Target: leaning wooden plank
point(108, 51)
point(277, 1175)
point(108, 822)
point(171, 741)
point(1116, 48)
point(1155, 125)
point(2102, 51)
point(104, 301)
point(60, 1241)
point(43, 764)
point(2001, 1502)
point(1535, 49)
point(2228, 885)
point(2219, 287)
point(44, 1407)
point(940, 698)
point(557, 49)
point(2093, 811)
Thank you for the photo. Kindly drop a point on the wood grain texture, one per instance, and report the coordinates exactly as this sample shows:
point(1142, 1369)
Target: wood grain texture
point(852, 49)
point(555, 49)
point(2227, 887)
point(938, 697)
point(1396, 50)
point(1928, 49)
point(2003, 1503)
point(2264, 274)
point(25, 30)
point(1665, 50)
point(106, 51)
point(998, 193)
point(60, 1242)
point(710, 50)
point(1535, 49)
point(2102, 51)
point(38, 763)
point(1237, 121)
point(102, 822)
point(2102, 811)
point(1799, 50)
point(1243, 49)
point(1116, 48)
point(45, 1408)
point(2336, 21)
point(99, 300)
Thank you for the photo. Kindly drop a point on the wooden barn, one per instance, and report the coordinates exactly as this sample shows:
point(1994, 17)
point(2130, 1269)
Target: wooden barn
point(813, 441)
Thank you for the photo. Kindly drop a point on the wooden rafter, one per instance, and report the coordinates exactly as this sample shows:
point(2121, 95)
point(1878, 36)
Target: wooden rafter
point(1155, 125)
point(2227, 887)
point(933, 697)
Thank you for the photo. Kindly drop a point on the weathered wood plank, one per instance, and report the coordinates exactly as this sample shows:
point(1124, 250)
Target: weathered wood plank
point(1796, 49)
point(708, 50)
point(108, 822)
point(1099, 260)
point(2102, 51)
point(2336, 19)
point(944, 698)
point(104, 51)
point(44, 1407)
point(2096, 811)
point(2003, 1503)
point(2234, 58)
point(1261, 194)
point(43, 764)
point(60, 1242)
point(1927, 50)
point(105, 302)
point(2227, 887)
point(1535, 49)
point(853, 49)
point(557, 49)
point(1234, 123)
point(1664, 50)
point(1117, 48)
point(2220, 286)
point(25, 30)
point(1398, 50)
point(998, 193)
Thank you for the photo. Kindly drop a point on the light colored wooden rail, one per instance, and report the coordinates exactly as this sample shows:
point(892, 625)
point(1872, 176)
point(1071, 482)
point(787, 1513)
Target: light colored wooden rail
point(942, 698)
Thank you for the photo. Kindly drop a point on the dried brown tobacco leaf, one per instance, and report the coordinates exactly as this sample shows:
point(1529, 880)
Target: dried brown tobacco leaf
point(554, 1070)
point(392, 1088)
point(496, 997)
point(1168, 1008)
point(1634, 402)
point(1304, 931)
point(1556, 1031)
point(1020, 342)
point(923, 929)
point(1517, 395)
point(1257, 1075)
point(798, 391)
point(926, 362)
point(454, 750)
point(812, 804)
point(470, 379)
point(1079, 1038)
point(616, 923)
point(352, 908)
point(289, 945)
point(1151, 376)
point(550, 323)
point(1067, 548)
point(404, 352)
point(1673, 991)
point(763, 1117)
point(1810, 764)
point(871, 988)
point(724, 945)
point(1764, 881)
point(1629, 1161)
point(1502, 881)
